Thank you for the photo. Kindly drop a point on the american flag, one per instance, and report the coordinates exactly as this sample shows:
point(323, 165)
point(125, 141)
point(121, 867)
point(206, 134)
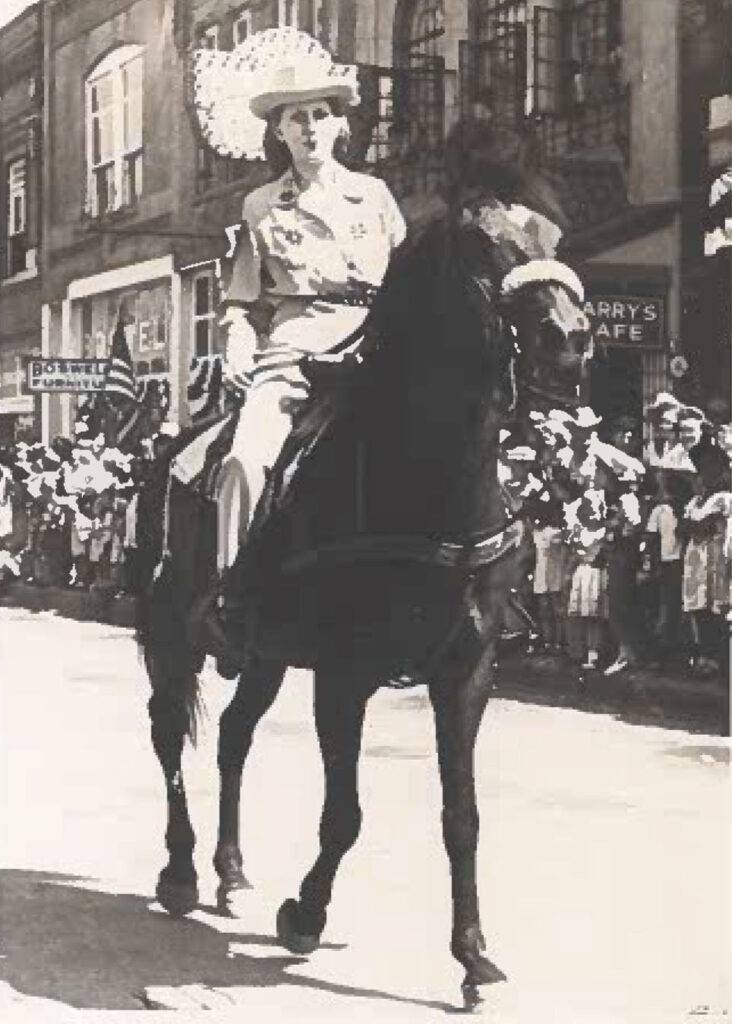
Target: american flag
point(205, 388)
point(120, 380)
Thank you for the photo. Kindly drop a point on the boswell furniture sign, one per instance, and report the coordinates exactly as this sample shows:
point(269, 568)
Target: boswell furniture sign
point(62, 374)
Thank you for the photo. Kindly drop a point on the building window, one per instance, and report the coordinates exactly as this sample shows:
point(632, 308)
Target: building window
point(12, 377)
point(417, 99)
point(535, 59)
point(320, 19)
point(242, 26)
point(421, 32)
point(17, 239)
point(209, 38)
point(594, 44)
point(287, 13)
point(204, 314)
point(114, 131)
point(719, 132)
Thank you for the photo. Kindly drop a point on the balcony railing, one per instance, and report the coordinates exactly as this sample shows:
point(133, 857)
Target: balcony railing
point(398, 132)
point(599, 128)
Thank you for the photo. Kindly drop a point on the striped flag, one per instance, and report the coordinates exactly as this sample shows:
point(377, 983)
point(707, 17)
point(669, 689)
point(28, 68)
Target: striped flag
point(120, 380)
point(719, 218)
point(137, 421)
point(205, 390)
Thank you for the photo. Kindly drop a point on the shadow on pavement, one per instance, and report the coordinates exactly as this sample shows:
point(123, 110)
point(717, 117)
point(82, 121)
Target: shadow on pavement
point(637, 697)
point(97, 950)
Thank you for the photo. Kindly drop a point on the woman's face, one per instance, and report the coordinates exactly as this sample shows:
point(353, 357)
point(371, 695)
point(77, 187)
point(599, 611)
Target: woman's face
point(310, 131)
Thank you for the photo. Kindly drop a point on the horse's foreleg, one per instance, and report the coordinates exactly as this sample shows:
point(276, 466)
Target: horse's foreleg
point(458, 707)
point(256, 690)
point(339, 715)
point(177, 888)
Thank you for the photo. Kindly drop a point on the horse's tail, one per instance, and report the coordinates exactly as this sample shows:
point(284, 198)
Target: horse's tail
point(172, 572)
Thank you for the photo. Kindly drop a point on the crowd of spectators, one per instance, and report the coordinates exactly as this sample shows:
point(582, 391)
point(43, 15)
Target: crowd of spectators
point(68, 521)
point(654, 591)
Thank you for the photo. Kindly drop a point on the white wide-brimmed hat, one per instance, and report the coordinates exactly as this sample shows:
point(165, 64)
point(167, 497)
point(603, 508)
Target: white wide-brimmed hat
point(304, 81)
point(234, 91)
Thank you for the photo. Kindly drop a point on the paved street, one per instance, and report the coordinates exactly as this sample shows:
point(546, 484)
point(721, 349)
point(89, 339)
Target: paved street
point(604, 860)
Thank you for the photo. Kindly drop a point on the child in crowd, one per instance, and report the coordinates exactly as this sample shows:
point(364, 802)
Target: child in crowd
point(665, 546)
point(587, 610)
point(80, 532)
point(117, 543)
point(707, 569)
point(101, 538)
point(623, 560)
point(548, 584)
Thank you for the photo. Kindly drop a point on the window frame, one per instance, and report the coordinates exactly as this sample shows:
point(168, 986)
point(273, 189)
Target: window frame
point(208, 317)
point(208, 34)
point(282, 8)
point(12, 378)
point(243, 15)
point(16, 227)
point(114, 167)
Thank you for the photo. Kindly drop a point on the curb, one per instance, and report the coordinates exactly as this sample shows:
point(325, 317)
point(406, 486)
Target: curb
point(670, 695)
point(95, 605)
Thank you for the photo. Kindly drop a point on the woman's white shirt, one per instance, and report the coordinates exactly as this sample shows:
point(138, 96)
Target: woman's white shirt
point(328, 238)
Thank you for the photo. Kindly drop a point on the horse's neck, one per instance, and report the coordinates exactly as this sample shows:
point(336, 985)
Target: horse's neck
point(437, 425)
point(456, 423)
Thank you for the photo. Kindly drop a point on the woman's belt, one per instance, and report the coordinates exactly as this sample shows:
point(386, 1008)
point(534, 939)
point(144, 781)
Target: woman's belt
point(356, 295)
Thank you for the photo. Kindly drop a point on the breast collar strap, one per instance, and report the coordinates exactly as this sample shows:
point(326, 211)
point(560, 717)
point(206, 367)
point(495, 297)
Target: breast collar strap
point(467, 556)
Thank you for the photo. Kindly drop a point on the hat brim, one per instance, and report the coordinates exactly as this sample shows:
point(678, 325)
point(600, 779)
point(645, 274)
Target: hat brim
point(266, 102)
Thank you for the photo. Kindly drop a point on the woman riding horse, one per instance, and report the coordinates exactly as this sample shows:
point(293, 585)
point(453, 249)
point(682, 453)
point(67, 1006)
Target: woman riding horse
point(476, 324)
point(314, 247)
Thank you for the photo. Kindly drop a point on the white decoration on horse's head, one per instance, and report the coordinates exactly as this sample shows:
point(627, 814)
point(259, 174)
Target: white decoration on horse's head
point(234, 91)
point(543, 272)
point(532, 233)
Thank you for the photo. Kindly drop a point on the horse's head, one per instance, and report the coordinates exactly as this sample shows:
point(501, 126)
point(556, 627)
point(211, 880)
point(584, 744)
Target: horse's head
point(508, 252)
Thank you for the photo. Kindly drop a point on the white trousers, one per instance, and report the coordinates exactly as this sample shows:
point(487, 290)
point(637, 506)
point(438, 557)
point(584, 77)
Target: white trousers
point(264, 425)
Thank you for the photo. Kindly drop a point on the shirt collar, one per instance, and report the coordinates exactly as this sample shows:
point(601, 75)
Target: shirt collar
point(337, 177)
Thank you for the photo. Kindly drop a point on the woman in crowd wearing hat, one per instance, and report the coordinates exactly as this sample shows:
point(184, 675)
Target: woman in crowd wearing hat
point(313, 248)
point(707, 574)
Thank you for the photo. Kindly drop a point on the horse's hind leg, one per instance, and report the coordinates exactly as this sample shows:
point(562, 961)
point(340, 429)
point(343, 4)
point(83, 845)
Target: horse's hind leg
point(458, 705)
point(256, 690)
point(339, 715)
point(171, 710)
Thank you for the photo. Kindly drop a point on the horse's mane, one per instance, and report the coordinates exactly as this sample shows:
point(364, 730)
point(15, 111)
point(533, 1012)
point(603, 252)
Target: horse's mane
point(501, 161)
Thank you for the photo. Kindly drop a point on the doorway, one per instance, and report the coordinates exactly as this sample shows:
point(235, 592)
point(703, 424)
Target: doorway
point(616, 388)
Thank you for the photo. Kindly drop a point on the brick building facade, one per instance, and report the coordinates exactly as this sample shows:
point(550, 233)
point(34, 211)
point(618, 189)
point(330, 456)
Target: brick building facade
point(135, 205)
point(21, 110)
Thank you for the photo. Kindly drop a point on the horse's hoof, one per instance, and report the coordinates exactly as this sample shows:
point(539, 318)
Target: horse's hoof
point(482, 971)
point(231, 897)
point(292, 934)
point(471, 997)
point(178, 898)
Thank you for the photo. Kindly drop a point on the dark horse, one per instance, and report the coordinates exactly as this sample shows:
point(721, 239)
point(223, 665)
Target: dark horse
point(392, 555)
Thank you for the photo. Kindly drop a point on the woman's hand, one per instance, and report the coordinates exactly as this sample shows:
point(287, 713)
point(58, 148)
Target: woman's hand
point(241, 341)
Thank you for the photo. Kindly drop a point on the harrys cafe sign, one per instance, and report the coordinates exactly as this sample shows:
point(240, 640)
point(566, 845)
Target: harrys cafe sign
point(635, 321)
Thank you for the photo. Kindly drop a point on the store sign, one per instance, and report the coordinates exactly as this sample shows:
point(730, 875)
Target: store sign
point(67, 374)
point(635, 321)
